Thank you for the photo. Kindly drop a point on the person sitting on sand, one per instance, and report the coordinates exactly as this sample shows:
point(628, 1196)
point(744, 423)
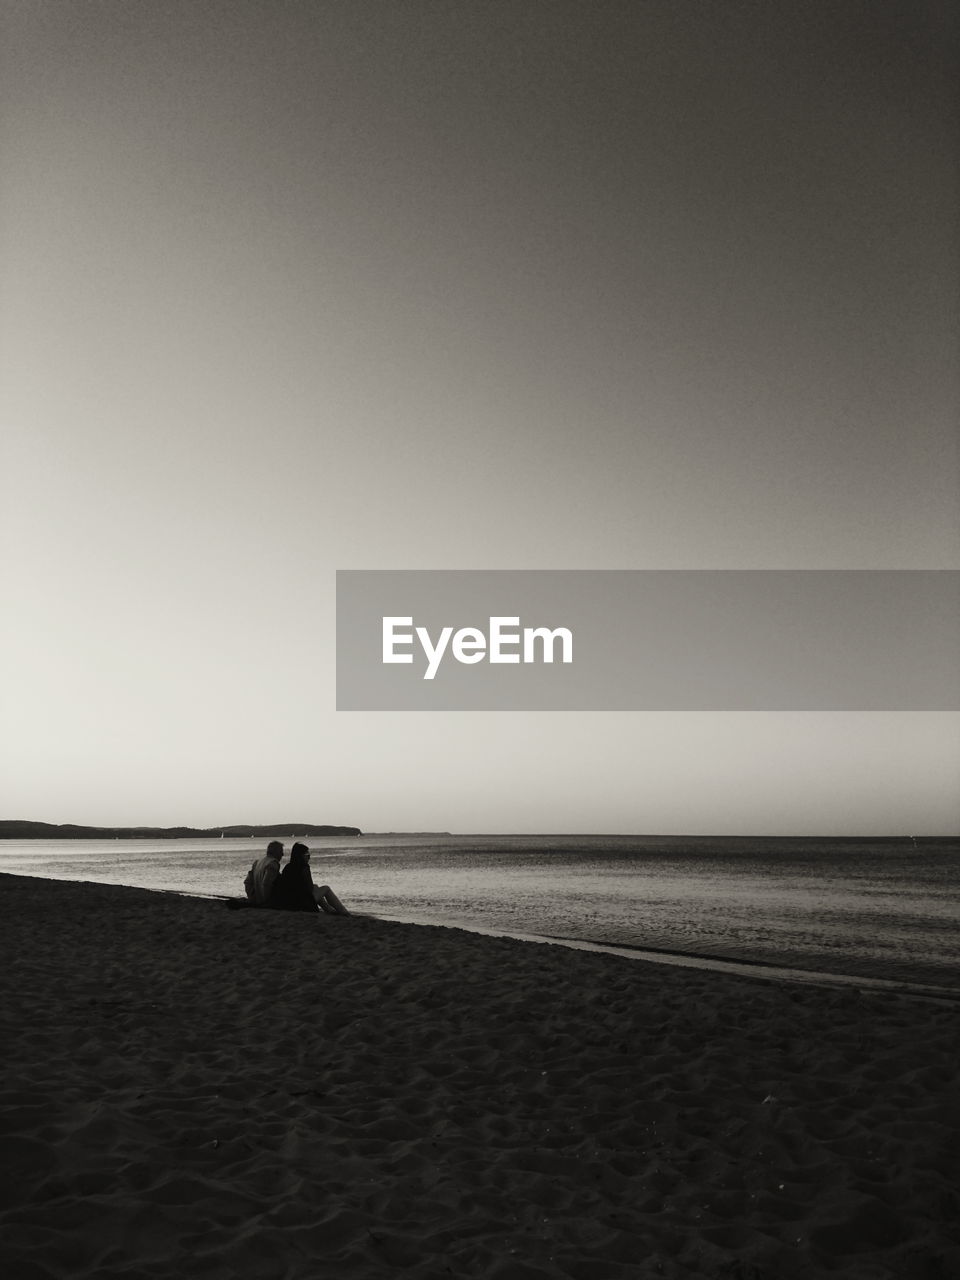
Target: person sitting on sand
point(296, 891)
point(262, 878)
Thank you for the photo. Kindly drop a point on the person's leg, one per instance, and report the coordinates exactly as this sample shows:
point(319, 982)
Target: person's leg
point(320, 898)
point(338, 906)
point(328, 901)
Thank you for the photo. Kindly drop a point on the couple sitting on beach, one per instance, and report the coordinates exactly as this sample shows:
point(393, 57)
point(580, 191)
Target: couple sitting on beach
point(291, 889)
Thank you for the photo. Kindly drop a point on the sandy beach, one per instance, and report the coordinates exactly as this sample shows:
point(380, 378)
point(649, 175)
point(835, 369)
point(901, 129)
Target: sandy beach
point(190, 1091)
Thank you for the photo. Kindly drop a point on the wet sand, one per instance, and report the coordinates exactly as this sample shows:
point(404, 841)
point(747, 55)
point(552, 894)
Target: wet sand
point(190, 1091)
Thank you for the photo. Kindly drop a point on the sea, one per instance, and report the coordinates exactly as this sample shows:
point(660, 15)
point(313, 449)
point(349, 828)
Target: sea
point(879, 913)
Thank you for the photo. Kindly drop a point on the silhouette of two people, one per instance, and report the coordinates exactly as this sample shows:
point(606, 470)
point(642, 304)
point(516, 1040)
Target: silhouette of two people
point(291, 889)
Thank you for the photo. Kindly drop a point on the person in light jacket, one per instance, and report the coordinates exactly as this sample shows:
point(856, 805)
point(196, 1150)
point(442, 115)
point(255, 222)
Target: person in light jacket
point(263, 877)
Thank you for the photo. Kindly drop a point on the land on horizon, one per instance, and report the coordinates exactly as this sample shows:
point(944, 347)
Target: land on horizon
point(19, 830)
point(15, 829)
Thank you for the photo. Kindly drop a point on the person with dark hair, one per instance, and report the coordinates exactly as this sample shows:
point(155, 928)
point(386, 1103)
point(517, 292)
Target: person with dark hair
point(263, 877)
point(297, 892)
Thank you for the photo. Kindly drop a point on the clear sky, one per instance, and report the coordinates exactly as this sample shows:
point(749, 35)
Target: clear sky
point(293, 287)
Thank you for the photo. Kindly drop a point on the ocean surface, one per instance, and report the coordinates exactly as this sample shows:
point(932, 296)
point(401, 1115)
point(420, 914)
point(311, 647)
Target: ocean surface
point(885, 911)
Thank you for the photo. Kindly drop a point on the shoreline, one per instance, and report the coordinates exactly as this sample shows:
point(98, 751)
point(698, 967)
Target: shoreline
point(742, 967)
point(194, 1091)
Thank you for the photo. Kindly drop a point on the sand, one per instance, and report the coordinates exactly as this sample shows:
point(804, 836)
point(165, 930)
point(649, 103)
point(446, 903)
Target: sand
point(190, 1091)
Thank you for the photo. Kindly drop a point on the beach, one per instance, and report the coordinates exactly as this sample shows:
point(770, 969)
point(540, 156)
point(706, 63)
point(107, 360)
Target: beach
point(190, 1091)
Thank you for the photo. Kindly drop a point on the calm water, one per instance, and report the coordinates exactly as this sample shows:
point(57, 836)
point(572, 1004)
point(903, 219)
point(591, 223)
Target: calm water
point(884, 909)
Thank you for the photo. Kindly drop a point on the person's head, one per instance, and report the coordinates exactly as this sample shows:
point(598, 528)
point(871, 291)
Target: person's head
point(299, 855)
point(275, 850)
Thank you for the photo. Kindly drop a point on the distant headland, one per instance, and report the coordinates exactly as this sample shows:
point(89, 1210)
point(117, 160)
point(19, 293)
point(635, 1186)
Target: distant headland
point(13, 830)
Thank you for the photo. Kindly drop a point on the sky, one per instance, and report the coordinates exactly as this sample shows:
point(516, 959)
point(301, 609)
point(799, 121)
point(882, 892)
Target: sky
point(296, 287)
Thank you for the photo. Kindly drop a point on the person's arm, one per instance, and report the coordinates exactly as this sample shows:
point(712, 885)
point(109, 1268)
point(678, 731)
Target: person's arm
point(250, 884)
point(271, 884)
point(308, 900)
